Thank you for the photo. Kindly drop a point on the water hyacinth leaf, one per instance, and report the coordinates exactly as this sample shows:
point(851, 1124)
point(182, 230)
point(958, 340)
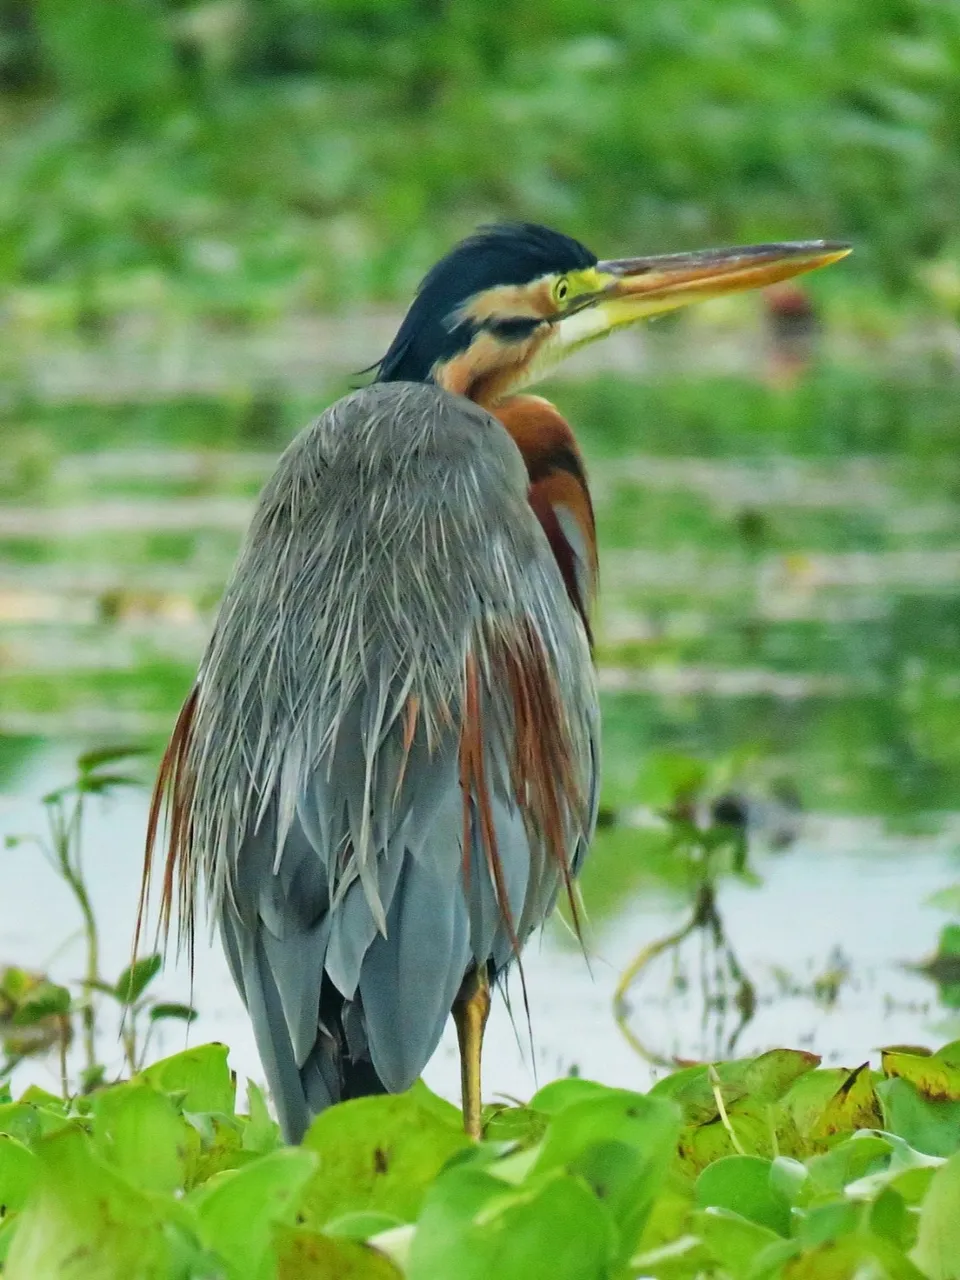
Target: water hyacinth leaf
point(558, 1094)
point(86, 1222)
point(438, 1107)
point(261, 1133)
point(701, 1144)
point(852, 1258)
point(731, 1241)
point(200, 1074)
point(848, 1161)
point(855, 1105)
point(937, 1251)
point(20, 1121)
point(140, 1133)
point(791, 1180)
point(742, 1185)
point(931, 1127)
point(18, 1172)
point(888, 1218)
point(308, 1255)
point(361, 1226)
point(378, 1153)
point(936, 1076)
point(621, 1145)
point(212, 1144)
point(473, 1230)
point(136, 978)
point(829, 1221)
point(237, 1211)
point(521, 1125)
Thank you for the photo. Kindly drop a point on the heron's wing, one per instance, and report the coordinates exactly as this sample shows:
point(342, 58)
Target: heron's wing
point(461, 877)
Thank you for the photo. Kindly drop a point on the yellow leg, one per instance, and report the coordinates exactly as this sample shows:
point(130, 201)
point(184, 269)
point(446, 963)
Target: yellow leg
point(470, 1011)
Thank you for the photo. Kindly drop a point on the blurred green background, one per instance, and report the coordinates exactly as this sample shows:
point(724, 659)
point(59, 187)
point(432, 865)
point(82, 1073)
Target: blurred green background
point(212, 214)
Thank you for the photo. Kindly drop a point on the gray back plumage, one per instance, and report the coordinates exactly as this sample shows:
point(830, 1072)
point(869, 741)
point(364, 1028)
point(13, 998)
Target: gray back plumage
point(356, 870)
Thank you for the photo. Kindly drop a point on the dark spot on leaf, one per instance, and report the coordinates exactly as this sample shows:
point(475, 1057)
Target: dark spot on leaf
point(301, 1219)
point(632, 1112)
point(379, 1160)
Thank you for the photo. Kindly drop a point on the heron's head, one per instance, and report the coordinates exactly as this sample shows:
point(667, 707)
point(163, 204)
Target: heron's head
point(512, 300)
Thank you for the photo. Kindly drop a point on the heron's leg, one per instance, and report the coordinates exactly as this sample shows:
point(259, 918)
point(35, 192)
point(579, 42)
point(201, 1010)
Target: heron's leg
point(470, 1011)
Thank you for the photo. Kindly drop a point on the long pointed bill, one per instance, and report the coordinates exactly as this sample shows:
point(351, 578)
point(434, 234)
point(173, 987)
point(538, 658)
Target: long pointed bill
point(632, 289)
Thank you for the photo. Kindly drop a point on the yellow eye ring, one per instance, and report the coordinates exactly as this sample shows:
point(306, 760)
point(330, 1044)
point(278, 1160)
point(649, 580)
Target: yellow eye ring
point(561, 289)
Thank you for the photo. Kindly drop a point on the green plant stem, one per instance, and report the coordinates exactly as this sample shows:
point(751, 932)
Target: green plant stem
point(67, 835)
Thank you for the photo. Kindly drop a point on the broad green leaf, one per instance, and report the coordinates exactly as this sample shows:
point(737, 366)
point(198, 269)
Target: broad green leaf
point(556, 1095)
point(201, 1075)
point(732, 1241)
point(849, 1160)
point(21, 1121)
point(361, 1226)
point(852, 1258)
point(261, 1133)
point(471, 1229)
point(237, 1211)
point(136, 978)
point(140, 1133)
point(935, 1077)
point(937, 1251)
point(308, 1255)
point(520, 1125)
point(828, 1222)
point(742, 1185)
point(930, 1127)
point(377, 1153)
point(855, 1105)
point(621, 1145)
point(438, 1107)
point(18, 1172)
point(84, 1221)
point(701, 1144)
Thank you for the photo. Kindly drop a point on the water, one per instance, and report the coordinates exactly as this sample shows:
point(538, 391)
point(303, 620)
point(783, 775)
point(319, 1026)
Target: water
point(789, 613)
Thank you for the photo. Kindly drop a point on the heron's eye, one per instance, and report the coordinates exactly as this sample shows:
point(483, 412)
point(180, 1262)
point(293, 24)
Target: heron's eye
point(561, 289)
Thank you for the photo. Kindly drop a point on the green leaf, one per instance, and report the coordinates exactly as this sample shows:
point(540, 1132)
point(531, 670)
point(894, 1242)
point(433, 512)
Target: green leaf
point(82, 1209)
point(558, 1094)
point(732, 1241)
point(237, 1211)
point(200, 1074)
point(140, 1133)
point(261, 1133)
point(930, 1127)
point(937, 1251)
point(742, 1185)
point(183, 1012)
point(308, 1255)
point(91, 760)
point(136, 978)
point(936, 1077)
point(18, 1172)
point(377, 1153)
point(45, 1000)
point(621, 1145)
point(472, 1230)
point(361, 1226)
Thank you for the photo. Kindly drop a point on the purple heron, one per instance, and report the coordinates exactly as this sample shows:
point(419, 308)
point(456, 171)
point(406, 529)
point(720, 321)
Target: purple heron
point(386, 770)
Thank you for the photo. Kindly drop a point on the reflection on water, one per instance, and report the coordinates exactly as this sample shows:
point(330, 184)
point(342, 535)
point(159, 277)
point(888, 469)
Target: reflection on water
point(822, 942)
point(803, 607)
